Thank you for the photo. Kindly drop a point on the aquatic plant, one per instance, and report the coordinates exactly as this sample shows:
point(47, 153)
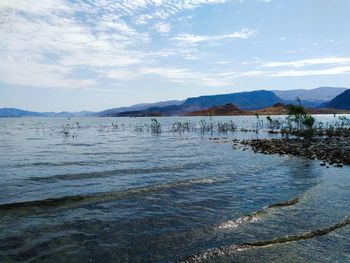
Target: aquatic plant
point(155, 126)
point(206, 127)
point(139, 128)
point(301, 123)
point(115, 126)
point(226, 126)
point(344, 121)
point(273, 124)
point(183, 127)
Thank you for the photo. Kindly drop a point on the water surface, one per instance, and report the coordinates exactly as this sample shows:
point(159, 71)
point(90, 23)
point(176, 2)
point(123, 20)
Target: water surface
point(89, 191)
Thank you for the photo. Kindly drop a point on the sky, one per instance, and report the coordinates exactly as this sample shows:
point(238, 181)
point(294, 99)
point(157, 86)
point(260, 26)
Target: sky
point(77, 55)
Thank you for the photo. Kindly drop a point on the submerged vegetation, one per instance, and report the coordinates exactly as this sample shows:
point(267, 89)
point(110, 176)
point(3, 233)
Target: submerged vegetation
point(298, 133)
point(300, 122)
point(297, 124)
point(324, 141)
point(155, 126)
point(273, 124)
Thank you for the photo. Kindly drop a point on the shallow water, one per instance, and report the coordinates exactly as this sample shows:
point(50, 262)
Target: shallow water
point(90, 192)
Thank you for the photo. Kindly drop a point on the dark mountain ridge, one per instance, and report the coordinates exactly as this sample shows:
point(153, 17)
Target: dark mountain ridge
point(245, 100)
point(250, 100)
point(137, 108)
point(277, 109)
point(342, 101)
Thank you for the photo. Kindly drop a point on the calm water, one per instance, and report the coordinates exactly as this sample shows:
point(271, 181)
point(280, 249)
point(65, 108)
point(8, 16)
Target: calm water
point(90, 192)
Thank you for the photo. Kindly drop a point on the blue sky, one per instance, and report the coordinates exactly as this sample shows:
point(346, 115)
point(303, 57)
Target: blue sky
point(97, 54)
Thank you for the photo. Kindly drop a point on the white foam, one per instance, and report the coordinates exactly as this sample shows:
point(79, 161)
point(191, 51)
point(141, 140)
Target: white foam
point(236, 223)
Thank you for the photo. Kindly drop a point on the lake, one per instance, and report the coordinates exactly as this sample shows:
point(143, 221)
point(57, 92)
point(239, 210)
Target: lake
point(113, 190)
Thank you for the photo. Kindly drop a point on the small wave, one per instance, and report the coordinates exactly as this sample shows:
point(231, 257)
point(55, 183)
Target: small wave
point(291, 202)
point(254, 217)
point(73, 163)
point(232, 249)
point(72, 201)
point(52, 164)
point(135, 153)
point(242, 220)
point(116, 172)
point(78, 144)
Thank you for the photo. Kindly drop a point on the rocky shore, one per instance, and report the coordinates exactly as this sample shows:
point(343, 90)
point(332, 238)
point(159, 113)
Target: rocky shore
point(331, 151)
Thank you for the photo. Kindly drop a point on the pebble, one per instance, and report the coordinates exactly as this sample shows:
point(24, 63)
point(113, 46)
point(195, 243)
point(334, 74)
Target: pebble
point(334, 151)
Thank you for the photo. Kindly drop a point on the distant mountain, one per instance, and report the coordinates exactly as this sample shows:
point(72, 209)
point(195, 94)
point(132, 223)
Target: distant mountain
point(69, 114)
point(342, 101)
point(252, 100)
point(13, 112)
point(312, 97)
point(223, 110)
point(137, 108)
point(245, 100)
point(232, 110)
point(17, 113)
point(170, 110)
point(277, 109)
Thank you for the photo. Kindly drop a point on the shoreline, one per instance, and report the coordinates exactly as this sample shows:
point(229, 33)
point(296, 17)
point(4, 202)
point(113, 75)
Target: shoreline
point(172, 116)
point(330, 151)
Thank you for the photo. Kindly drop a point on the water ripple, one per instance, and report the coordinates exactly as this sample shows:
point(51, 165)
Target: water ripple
point(76, 200)
point(232, 249)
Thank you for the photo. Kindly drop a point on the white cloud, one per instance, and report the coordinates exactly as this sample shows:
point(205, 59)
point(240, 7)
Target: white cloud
point(307, 62)
point(162, 27)
point(61, 42)
point(37, 7)
point(307, 73)
point(189, 39)
point(172, 74)
point(23, 71)
point(223, 62)
point(332, 71)
point(43, 42)
point(166, 9)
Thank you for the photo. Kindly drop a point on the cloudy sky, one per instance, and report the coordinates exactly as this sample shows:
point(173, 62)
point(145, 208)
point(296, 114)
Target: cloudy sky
point(97, 54)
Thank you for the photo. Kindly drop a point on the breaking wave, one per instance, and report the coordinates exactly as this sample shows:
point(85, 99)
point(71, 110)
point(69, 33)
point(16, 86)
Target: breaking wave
point(232, 249)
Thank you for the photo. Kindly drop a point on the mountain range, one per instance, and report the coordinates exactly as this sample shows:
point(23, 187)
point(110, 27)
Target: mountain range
point(253, 100)
point(277, 109)
point(245, 100)
point(137, 107)
point(311, 98)
point(342, 101)
point(318, 94)
point(325, 97)
point(14, 113)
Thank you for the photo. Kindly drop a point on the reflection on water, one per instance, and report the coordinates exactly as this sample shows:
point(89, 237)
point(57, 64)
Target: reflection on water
point(121, 195)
